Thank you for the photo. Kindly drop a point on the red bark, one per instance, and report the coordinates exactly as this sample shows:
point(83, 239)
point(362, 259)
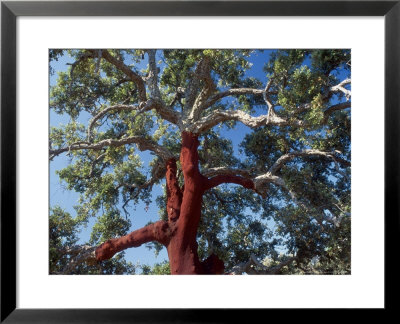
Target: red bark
point(216, 181)
point(174, 193)
point(182, 248)
point(178, 234)
point(158, 231)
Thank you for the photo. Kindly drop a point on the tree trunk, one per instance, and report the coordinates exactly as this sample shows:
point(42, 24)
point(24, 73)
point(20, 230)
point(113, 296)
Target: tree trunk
point(182, 248)
point(178, 234)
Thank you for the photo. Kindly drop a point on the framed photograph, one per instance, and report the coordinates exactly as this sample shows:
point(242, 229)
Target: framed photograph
point(268, 131)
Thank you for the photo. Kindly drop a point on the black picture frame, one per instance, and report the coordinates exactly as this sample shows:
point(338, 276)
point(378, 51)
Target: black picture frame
point(10, 10)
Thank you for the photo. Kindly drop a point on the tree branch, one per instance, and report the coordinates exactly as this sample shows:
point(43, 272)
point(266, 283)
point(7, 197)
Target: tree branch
point(158, 232)
point(168, 114)
point(203, 73)
point(220, 179)
point(212, 172)
point(95, 161)
point(232, 92)
point(242, 177)
point(165, 113)
point(258, 183)
point(134, 77)
point(180, 93)
point(271, 110)
point(290, 156)
point(105, 111)
point(142, 144)
point(152, 78)
point(78, 254)
point(218, 116)
point(253, 266)
point(82, 57)
point(270, 177)
point(147, 184)
point(336, 220)
point(192, 88)
point(276, 269)
point(340, 87)
point(332, 109)
point(158, 173)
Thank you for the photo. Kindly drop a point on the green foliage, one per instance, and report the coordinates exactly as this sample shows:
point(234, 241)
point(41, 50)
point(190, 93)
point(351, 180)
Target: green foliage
point(62, 233)
point(64, 247)
point(327, 61)
point(216, 151)
point(117, 265)
point(158, 269)
point(108, 226)
point(66, 134)
point(229, 66)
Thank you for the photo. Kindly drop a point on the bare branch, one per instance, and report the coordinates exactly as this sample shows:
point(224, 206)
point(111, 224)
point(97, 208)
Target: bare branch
point(290, 156)
point(232, 92)
point(218, 116)
point(152, 79)
point(259, 183)
point(340, 87)
point(168, 114)
point(262, 180)
point(143, 144)
point(203, 73)
point(194, 84)
point(271, 111)
point(165, 113)
point(338, 169)
point(336, 220)
point(332, 109)
point(327, 112)
point(100, 157)
point(105, 111)
point(212, 172)
point(180, 93)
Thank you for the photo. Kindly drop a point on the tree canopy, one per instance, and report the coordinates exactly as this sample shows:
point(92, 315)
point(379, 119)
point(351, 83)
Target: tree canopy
point(276, 203)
